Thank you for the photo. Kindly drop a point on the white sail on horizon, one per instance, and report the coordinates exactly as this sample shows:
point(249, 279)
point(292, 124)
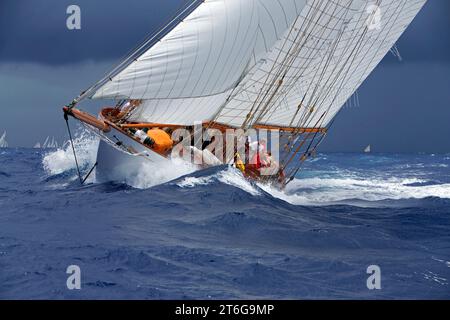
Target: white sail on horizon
point(48, 143)
point(281, 63)
point(3, 142)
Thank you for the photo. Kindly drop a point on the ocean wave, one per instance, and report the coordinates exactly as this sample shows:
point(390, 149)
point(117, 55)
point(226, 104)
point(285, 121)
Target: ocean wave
point(191, 182)
point(325, 191)
point(229, 176)
point(61, 163)
point(61, 160)
point(168, 171)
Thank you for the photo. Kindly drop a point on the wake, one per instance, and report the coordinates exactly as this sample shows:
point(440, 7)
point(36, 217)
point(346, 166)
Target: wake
point(331, 188)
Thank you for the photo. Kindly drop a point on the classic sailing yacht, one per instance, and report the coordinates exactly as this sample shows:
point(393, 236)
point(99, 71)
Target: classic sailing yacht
point(286, 66)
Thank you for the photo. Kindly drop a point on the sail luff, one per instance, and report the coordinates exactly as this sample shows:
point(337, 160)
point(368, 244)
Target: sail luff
point(140, 49)
point(203, 55)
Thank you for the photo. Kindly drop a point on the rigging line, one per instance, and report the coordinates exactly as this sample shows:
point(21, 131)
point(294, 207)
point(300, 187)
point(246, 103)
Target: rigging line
point(250, 74)
point(300, 69)
point(301, 102)
point(334, 118)
point(293, 79)
point(398, 13)
point(327, 110)
point(333, 49)
point(300, 166)
point(307, 152)
point(303, 158)
point(328, 60)
point(327, 91)
point(275, 64)
point(238, 83)
point(135, 53)
point(287, 62)
point(273, 67)
point(314, 149)
point(355, 56)
point(343, 80)
point(66, 118)
point(323, 96)
point(293, 57)
point(330, 57)
point(284, 165)
point(308, 61)
point(89, 173)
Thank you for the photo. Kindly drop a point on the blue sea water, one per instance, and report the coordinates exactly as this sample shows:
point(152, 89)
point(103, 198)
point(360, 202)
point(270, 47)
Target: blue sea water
point(211, 234)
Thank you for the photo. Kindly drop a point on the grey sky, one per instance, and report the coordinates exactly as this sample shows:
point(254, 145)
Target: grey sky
point(404, 106)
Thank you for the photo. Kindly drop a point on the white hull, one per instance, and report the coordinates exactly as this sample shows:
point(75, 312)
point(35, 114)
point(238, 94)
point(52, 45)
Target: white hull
point(120, 158)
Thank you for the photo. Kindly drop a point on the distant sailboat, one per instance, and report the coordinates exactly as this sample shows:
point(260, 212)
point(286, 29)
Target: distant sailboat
point(3, 142)
point(48, 143)
point(37, 145)
point(53, 143)
point(44, 145)
point(368, 149)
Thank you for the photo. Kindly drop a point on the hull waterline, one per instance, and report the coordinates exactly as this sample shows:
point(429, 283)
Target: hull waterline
point(120, 158)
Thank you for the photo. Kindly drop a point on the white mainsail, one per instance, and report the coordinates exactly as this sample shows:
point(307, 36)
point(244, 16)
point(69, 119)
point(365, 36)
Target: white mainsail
point(328, 67)
point(368, 149)
point(246, 62)
point(3, 142)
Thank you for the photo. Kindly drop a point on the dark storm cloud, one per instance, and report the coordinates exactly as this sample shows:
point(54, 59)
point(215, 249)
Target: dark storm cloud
point(35, 30)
